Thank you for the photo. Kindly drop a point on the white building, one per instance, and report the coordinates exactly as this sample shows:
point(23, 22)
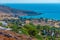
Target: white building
point(3, 28)
point(3, 23)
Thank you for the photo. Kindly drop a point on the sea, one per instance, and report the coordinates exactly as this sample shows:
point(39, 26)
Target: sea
point(51, 11)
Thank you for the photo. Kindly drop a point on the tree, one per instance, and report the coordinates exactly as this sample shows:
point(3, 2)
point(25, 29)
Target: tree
point(32, 31)
point(46, 27)
point(24, 31)
point(39, 37)
point(39, 27)
point(0, 24)
point(14, 28)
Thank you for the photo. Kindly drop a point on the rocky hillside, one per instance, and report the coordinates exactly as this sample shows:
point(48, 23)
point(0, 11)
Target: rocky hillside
point(9, 35)
point(5, 9)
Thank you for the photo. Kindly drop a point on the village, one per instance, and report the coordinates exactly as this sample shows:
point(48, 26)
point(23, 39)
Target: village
point(46, 27)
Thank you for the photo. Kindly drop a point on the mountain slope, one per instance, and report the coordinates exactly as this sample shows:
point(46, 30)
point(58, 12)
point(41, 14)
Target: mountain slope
point(5, 9)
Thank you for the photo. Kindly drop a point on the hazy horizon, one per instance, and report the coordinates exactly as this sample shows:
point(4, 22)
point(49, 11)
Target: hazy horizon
point(29, 1)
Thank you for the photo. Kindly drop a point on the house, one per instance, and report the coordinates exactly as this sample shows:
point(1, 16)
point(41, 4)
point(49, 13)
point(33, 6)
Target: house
point(3, 28)
point(3, 23)
point(27, 21)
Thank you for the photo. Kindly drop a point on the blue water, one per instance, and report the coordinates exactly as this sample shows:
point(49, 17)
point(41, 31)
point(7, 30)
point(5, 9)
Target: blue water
point(49, 10)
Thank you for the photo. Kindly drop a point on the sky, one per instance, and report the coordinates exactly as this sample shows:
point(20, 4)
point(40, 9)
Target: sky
point(29, 1)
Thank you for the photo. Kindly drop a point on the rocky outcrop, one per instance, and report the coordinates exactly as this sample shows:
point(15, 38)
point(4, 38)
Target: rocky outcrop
point(9, 35)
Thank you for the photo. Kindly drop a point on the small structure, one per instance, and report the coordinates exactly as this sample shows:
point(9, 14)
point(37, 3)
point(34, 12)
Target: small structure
point(3, 23)
point(27, 21)
point(3, 28)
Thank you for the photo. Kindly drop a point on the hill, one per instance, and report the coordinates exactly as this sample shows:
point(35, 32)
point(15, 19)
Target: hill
point(6, 9)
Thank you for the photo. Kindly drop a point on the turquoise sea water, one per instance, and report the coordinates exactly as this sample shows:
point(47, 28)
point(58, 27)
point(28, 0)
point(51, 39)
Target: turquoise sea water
point(49, 10)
